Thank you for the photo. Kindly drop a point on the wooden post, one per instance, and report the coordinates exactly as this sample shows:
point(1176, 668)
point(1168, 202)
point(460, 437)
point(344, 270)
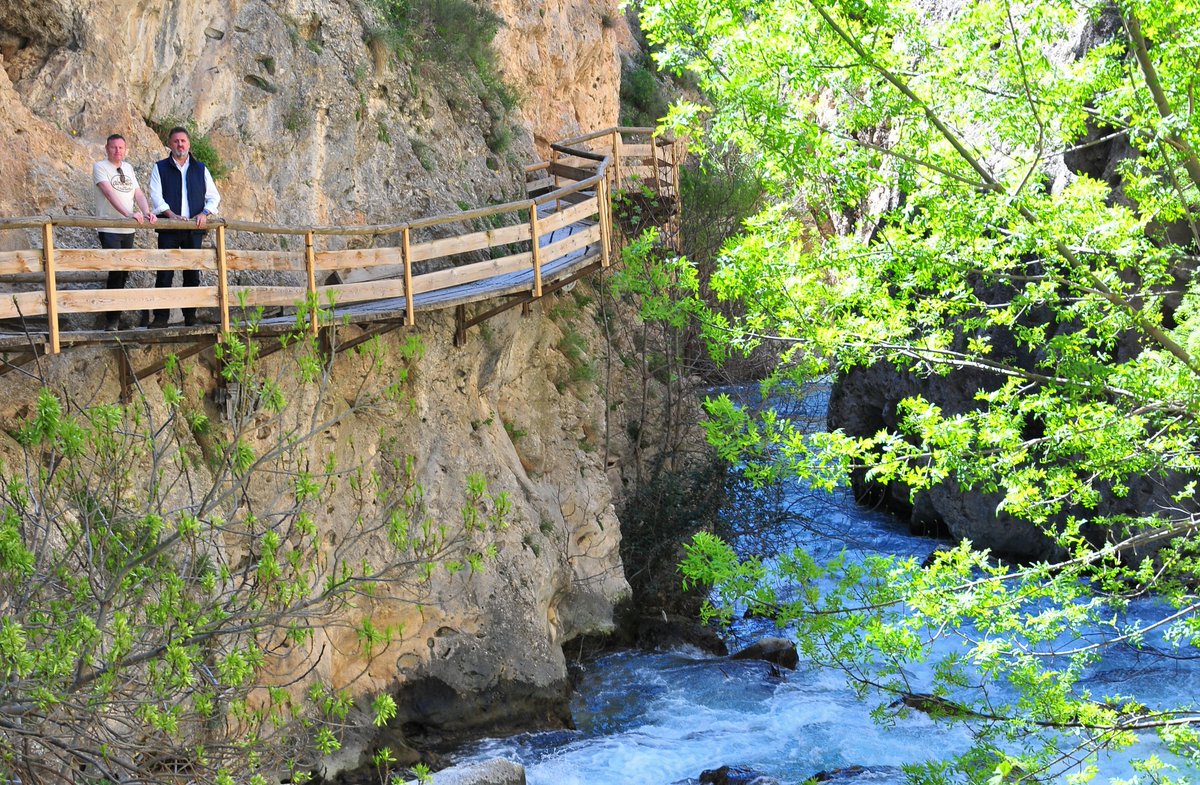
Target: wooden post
point(410, 318)
point(310, 269)
point(554, 177)
point(537, 251)
point(222, 279)
point(605, 221)
point(51, 287)
point(675, 166)
point(616, 152)
point(654, 157)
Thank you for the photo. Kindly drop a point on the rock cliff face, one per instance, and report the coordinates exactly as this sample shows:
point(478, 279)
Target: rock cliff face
point(320, 122)
point(307, 103)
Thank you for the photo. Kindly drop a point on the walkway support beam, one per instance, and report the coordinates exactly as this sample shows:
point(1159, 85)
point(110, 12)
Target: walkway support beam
point(51, 286)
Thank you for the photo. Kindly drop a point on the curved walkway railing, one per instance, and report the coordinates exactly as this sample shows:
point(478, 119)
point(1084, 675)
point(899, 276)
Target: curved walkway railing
point(430, 263)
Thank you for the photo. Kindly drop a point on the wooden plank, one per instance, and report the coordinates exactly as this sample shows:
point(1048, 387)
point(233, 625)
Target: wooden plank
point(471, 215)
point(365, 291)
point(94, 300)
point(580, 162)
point(469, 273)
point(564, 193)
point(269, 296)
point(637, 150)
point(358, 258)
point(572, 172)
point(555, 221)
point(536, 167)
point(555, 251)
point(277, 261)
point(22, 304)
point(14, 262)
point(99, 259)
point(476, 241)
point(538, 185)
point(50, 286)
point(643, 173)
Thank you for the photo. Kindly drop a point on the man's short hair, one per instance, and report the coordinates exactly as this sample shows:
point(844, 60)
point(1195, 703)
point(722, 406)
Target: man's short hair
point(179, 129)
point(113, 138)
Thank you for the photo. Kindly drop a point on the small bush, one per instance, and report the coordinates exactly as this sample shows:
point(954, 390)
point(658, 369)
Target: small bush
point(643, 100)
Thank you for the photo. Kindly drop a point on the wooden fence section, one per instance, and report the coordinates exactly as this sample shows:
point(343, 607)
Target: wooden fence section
point(430, 263)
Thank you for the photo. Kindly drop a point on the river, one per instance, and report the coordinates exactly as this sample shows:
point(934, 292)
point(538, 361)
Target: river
point(663, 718)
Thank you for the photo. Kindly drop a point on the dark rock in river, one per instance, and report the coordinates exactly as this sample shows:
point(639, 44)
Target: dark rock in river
point(432, 713)
point(779, 651)
point(735, 775)
point(664, 631)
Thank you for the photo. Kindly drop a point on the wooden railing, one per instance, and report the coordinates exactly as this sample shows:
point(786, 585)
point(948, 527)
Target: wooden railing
point(522, 237)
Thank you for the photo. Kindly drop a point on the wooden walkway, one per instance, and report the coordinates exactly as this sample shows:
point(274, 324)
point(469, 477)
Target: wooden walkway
point(434, 265)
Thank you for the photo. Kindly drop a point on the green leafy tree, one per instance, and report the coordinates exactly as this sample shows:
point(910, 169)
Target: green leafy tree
point(934, 210)
point(164, 575)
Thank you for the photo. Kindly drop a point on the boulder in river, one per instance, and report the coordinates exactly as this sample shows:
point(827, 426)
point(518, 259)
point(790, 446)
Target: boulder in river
point(779, 651)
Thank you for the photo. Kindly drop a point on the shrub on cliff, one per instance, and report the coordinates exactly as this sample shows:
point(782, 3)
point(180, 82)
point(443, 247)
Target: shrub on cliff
point(923, 161)
point(166, 578)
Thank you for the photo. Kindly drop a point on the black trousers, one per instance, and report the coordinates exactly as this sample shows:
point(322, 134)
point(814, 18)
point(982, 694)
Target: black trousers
point(177, 238)
point(114, 241)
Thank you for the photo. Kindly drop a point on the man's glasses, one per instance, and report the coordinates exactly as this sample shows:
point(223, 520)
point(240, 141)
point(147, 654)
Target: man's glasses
point(121, 174)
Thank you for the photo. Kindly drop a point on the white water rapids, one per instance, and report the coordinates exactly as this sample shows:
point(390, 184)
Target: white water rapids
point(663, 718)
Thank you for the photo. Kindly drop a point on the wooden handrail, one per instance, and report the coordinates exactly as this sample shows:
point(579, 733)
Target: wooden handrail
point(571, 218)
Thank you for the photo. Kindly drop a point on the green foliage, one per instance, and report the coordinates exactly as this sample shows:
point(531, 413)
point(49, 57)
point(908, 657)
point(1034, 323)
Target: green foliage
point(155, 603)
point(643, 100)
point(1074, 293)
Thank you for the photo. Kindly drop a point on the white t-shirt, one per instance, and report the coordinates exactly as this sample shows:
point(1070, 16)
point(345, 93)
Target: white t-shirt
point(123, 183)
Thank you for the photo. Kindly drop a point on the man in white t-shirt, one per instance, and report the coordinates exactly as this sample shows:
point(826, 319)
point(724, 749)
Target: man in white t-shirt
point(118, 196)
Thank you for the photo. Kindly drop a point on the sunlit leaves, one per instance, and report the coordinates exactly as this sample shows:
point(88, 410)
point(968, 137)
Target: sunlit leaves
point(1001, 191)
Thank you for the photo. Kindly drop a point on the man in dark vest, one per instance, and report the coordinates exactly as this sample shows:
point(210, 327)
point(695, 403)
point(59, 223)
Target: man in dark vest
point(181, 189)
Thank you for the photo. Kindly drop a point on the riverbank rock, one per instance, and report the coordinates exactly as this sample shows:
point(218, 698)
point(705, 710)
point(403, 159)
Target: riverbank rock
point(778, 651)
point(735, 775)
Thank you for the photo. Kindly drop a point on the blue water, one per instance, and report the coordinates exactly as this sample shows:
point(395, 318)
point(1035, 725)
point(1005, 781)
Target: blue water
point(663, 718)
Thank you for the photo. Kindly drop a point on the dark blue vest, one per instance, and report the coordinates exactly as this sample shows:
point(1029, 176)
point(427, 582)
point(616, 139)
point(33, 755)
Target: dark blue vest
point(172, 185)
